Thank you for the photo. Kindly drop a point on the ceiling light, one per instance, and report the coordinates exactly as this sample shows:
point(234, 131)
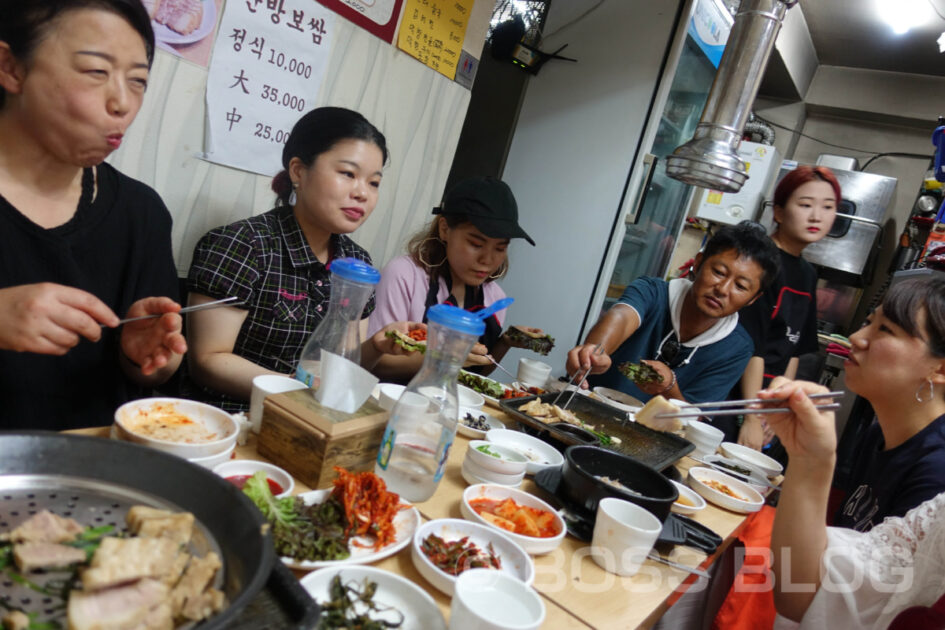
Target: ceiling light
point(901, 15)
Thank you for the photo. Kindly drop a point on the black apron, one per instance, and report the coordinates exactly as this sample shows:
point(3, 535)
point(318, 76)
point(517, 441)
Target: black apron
point(473, 302)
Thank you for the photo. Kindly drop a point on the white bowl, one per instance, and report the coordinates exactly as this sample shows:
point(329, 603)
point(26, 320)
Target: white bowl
point(753, 458)
point(476, 434)
point(491, 476)
point(706, 437)
point(532, 372)
point(212, 461)
point(750, 501)
point(531, 544)
point(137, 420)
point(473, 479)
point(540, 455)
point(508, 462)
point(754, 478)
point(513, 558)
point(393, 592)
point(689, 493)
point(486, 600)
point(238, 467)
point(469, 397)
point(618, 399)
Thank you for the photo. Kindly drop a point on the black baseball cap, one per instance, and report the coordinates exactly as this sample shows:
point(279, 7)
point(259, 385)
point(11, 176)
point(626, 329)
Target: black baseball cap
point(488, 203)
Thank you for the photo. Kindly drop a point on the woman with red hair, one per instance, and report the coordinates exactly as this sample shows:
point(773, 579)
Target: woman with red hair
point(783, 322)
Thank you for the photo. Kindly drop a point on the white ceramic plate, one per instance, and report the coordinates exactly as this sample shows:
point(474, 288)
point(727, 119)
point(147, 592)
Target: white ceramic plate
point(692, 495)
point(540, 455)
point(492, 402)
point(750, 456)
point(167, 36)
point(513, 558)
point(476, 434)
point(418, 608)
point(405, 523)
point(758, 479)
point(531, 544)
point(750, 501)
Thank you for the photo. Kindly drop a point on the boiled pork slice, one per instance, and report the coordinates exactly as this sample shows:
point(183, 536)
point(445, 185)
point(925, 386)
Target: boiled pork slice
point(195, 579)
point(153, 523)
point(124, 607)
point(181, 16)
point(120, 560)
point(42, 555)
point(45, 527)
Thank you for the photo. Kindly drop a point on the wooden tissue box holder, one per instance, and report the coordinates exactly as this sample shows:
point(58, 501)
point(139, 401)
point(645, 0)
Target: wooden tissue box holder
point(308, 439)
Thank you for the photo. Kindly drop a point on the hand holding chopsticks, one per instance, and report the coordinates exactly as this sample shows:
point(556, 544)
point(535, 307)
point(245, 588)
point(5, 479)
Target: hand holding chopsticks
point(186, 309)
point(598, 349)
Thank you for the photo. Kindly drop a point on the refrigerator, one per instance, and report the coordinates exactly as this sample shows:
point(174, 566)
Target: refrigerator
point(586, 161)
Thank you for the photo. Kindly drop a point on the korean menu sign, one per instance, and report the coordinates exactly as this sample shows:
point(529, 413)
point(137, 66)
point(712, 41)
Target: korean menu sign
point(432, 31)
point(268, 63)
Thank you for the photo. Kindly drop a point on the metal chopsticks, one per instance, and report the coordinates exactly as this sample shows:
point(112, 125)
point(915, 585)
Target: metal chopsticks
point(186, 309)
point(740, 407)
point(597, 350)
point(496, 363)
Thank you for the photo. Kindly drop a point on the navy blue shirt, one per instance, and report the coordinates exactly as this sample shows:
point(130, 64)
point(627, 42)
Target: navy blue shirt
point(890, 483)
point(712, 369)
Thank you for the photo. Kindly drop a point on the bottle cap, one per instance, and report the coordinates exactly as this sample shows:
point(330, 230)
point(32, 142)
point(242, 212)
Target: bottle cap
point(457, 319)
point(355, 270)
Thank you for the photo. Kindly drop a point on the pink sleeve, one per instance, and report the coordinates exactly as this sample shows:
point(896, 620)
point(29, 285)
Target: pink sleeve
point(401, 294)
point(491, 293)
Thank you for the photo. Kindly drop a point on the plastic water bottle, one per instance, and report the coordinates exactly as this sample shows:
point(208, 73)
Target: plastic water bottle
point(422, 424)
point(339, 332)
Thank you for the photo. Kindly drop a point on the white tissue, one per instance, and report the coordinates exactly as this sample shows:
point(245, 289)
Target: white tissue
point(345, 385)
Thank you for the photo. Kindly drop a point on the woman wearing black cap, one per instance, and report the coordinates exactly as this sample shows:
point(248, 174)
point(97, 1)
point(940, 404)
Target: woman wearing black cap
point(455, 260)
point(277, 263)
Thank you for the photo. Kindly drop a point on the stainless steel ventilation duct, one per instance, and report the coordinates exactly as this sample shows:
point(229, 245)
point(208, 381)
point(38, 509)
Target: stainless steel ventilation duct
point(711, 159)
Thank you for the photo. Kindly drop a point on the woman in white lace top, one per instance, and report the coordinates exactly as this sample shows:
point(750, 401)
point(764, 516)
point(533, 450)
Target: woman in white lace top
point(835, 577)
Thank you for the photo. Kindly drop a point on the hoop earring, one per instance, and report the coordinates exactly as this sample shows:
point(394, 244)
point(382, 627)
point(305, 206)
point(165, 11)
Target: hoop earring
point(420, 249)
point(931, 392)
point(501, 271)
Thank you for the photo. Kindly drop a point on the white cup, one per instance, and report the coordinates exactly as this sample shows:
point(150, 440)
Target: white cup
point(533, 373)
point(390, 394)
point(487, 599)
point(267, 385)
point(706, 437)
point(624, 533)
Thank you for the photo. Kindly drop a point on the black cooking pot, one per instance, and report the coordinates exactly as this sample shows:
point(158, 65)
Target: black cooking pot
point(123, 473)
point(580, 484)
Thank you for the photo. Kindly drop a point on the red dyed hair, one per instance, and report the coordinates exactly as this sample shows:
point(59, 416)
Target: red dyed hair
point(800, 176)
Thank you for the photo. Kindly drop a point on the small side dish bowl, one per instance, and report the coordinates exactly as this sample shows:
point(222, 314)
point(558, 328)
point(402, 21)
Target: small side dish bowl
point(745, 501)
point(706, 437)
point(533, 545)
point(540, 454)
point(473, 473)
point(212, 461)
point(185, 428)
point(753, 458)
point(238, 471)
point(472, 432)
point(513, 558)
point(469, 397)
point(484, 601)
point(497, 458)
point(689, 495)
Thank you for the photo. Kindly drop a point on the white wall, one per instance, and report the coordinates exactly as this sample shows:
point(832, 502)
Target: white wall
point(419, 110)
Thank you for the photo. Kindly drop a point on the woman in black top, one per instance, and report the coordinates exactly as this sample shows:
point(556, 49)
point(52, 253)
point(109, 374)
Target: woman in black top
point(82, 242)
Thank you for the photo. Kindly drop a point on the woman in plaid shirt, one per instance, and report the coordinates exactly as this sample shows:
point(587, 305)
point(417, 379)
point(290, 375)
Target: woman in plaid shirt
point(277, 263)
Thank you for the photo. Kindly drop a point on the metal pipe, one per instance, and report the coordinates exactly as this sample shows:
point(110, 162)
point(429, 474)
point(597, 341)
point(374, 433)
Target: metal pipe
point(711, 159)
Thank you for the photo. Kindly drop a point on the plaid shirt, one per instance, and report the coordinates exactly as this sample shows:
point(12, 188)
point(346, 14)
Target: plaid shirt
point(266, 262)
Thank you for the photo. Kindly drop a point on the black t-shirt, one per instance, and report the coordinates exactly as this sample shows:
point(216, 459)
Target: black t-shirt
point(783, 321)
point(890, 483)
point(119, 249)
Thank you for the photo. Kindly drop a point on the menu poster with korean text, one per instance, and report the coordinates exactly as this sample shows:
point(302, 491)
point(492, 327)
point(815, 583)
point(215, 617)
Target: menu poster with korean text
point(378, 17)
point(267, 68)
point(432, 31)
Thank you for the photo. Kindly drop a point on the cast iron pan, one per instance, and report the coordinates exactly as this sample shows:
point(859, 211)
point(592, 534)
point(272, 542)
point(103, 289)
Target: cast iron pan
point(580, 485)
point(229, 518)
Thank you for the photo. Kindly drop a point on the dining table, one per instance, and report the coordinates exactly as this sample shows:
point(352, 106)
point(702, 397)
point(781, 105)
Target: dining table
point(576, 592)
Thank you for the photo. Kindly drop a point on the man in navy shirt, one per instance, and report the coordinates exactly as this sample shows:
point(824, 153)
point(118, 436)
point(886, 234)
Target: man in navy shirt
point(686, 330)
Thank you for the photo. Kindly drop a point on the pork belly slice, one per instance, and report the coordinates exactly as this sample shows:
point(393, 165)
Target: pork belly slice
point(154, 523)
point(42, 555)
point(45, 527)
point(195, 580)
point(159, 618)
point(121, 608)
point(120, 560)
point(15, 620)
point(204, 605)
point(181, 16)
